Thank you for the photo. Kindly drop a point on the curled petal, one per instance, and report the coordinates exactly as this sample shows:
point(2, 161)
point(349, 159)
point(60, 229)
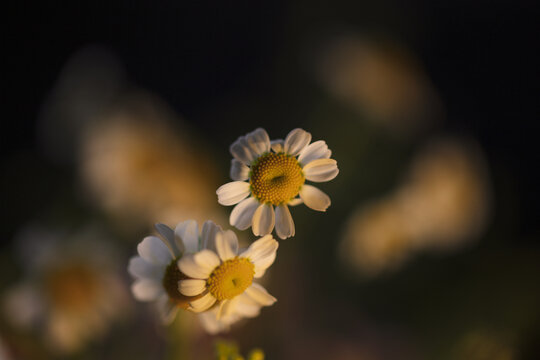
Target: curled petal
point(191, 287)
point(239, 170)
point(202, 304)
point(314, 151)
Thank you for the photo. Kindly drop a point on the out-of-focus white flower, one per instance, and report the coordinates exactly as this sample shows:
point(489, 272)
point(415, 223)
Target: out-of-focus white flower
point(381, 80)
point(156, 270)
point(446, 195)
point(273, 174)
point(73, 292)
point(442, 205)
point(224, 277)
point(376, 238)
point(141, 169)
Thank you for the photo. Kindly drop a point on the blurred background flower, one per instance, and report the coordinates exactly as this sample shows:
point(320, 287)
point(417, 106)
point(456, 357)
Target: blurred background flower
point(72, 291)
point(122, 115)
point(442, 204)
point(381, 79)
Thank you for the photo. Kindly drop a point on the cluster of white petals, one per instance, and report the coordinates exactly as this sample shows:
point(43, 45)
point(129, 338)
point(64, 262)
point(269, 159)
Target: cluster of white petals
point(263, 213)
point(209, 274)
point(195, 258)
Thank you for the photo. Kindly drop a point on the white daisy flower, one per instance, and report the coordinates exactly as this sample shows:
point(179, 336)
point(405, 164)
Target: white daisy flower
point(224, 278)
point(272, 175)
point(156, 271)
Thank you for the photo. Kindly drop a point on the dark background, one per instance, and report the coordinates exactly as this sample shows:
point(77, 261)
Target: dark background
point(202, 57)
point(481, 56)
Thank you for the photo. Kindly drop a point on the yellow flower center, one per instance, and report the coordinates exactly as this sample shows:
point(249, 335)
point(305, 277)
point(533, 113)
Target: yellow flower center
point(276, 178)
point(231, 278)
point(170, 282)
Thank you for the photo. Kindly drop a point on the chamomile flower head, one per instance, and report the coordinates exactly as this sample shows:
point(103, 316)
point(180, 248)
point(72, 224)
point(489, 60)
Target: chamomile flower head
point(269, 176)
point(156, 270)
point(224, 277)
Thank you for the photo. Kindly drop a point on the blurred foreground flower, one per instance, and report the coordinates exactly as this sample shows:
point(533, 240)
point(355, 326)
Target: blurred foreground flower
point(274, 174)
point(73, 291)
point(442, 205)
point(380, 79)
point(182, 271)
point(229, 351)
point(137, 168)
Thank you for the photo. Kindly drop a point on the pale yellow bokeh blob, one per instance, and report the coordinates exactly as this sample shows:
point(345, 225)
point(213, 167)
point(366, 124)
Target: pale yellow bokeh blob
point(141, 169)
point(442, 204)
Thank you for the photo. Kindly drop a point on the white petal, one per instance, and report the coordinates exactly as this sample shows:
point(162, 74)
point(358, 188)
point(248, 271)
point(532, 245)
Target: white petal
point(191, 287)
point(263, 264)
point(242, 214)
point(187, 233)
point(208, 235)
point(226, 244)
point(259, 141)
point(239, 171)
point(202, 304)
point(296, 141)
point(284, 222)
point(242, 151)
point(154, 250)
point(167, 309)
point(321, 170)
point(262, 254)
point(314, 151)
point(277, 145)
point(147, 290)
point(263, 220)
point(314, 198)
point(211, 324)
point(260, 295)
point(168, 235)
point(221, 309)
point(295, 202)
point(199, 265)
point(233, 192)
point(245, 306)
point(140, 268)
